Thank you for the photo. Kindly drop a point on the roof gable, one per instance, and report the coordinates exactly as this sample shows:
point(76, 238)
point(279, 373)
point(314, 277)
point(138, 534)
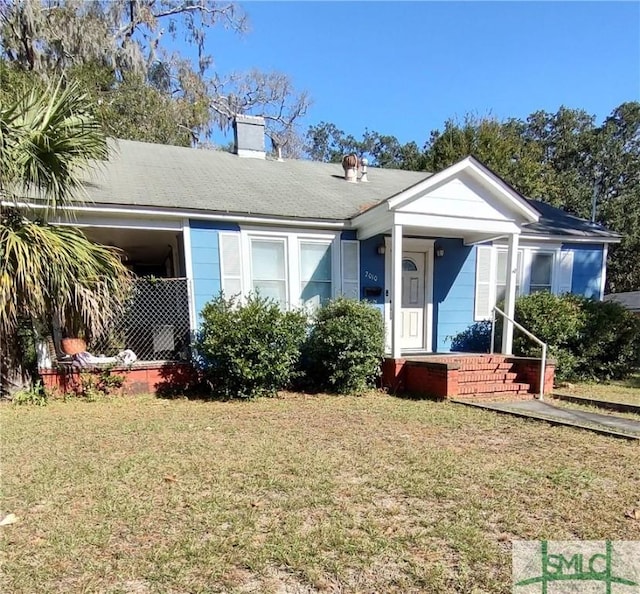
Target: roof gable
point(468, 189)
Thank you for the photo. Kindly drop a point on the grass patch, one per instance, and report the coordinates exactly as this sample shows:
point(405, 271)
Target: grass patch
point(615, 391)
point(594, 409)
point(296, 494)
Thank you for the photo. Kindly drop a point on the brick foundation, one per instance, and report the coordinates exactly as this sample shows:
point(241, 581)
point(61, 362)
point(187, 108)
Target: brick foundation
point(393, 374)
point(140, 378)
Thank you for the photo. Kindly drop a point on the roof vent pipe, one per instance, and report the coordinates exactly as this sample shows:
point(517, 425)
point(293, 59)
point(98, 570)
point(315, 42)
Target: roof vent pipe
point(350, 165)
point(248, 136)
point(363, 170)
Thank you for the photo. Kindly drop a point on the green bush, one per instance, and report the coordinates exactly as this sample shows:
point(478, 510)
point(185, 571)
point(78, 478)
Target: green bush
point(556, 320)
point(94, 384)
point(249, 349)
point(589, 339)
point(36, 395)
point(345, 347)
point(609, 345)
point(474, 339)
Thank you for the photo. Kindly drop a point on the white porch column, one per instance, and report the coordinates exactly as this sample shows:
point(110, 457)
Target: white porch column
point(510, 294)
point(396, 290)
point(188, 265)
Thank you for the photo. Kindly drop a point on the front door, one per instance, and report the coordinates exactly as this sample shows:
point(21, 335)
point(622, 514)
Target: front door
point(413, 301)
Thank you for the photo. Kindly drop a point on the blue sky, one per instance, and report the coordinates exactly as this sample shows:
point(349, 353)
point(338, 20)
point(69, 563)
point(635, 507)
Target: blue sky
point(403, 68)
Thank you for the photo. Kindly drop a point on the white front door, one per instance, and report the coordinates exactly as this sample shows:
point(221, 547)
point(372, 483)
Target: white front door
point(413, 300)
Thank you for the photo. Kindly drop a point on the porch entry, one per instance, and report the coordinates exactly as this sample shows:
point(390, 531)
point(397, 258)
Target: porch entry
point(416, 311)
point(413, 280)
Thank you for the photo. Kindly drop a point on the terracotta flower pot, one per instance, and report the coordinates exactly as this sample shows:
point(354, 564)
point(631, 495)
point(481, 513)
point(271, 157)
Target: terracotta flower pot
point(71, 346)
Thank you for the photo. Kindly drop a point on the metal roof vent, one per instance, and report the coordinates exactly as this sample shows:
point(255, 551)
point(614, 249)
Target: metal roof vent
point(363, 170)
point(350, 166)
point(248, 136)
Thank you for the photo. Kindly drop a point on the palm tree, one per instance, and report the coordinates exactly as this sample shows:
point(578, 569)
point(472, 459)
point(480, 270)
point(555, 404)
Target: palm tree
point(47, 140)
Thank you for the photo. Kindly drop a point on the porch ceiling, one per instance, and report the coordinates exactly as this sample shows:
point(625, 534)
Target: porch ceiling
point(468, 238)
point(140, 246)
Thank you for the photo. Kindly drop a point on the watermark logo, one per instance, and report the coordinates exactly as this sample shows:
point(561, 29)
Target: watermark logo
point(584, 567)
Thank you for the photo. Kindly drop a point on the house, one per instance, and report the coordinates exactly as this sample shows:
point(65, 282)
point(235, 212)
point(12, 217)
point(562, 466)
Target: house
point(433, 251)
point(630, 300)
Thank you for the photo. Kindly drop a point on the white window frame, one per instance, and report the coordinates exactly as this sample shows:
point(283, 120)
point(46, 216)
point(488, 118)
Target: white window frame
point(292, 239)
point(494, 271)
point(326, 242)
point(524, 273)
point(554, 268)
point(249, 266)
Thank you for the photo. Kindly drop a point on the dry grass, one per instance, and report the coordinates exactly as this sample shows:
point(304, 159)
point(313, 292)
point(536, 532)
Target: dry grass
point(617, 391)
point(298, 494)
point(589, 408)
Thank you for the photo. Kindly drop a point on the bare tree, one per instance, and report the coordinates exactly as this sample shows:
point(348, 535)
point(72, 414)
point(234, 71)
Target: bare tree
point(127, 36)
point(270, 95)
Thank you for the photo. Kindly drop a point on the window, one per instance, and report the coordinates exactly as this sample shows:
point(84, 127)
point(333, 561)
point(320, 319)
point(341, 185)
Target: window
point(268, 269)
point(292, 267)
point(541, 272)
point(548, 269)
point(315, 273)
point(501, 275)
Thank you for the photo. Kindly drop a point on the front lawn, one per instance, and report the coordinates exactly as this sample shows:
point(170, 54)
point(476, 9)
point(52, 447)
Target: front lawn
point(297, 494)
point(615, 391)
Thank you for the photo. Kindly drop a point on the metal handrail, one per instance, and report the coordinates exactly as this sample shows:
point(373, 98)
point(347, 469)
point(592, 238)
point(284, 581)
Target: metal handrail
point(543, 361)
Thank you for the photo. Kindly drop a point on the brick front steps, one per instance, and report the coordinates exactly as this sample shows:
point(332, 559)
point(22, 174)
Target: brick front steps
point(470, 377)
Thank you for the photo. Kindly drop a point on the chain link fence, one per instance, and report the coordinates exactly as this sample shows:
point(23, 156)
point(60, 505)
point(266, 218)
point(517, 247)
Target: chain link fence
point(155, 325)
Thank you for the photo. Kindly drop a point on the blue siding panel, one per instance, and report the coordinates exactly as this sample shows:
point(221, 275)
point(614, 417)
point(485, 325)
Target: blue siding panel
point(372, 268)
point(454, 281)
point(205, 255)
point(205, 259)
point(587, 269)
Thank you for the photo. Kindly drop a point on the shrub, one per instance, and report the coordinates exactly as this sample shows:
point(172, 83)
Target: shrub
point(556, 320)
point(345, 347)
point(36, 395)
point(95, 383)
point(250, 349)
point(609, 346)
point(474, 339)
point(589, 339)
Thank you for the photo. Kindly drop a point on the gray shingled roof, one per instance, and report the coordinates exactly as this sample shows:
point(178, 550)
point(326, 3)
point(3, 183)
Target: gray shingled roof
point(172, 177)
point(630, 300)
point(554, 221)
point(144, 174)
